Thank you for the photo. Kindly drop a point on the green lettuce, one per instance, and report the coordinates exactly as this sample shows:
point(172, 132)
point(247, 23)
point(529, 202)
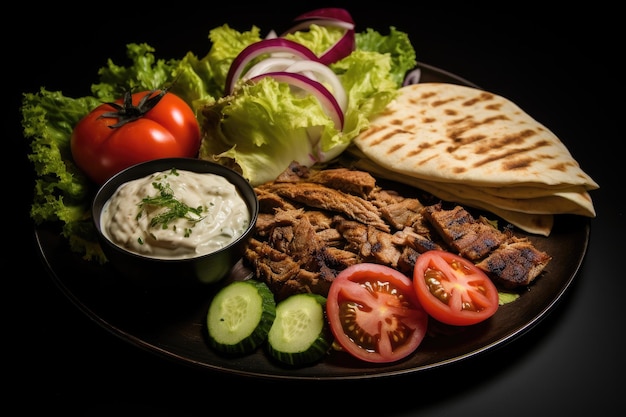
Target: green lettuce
point(261, 126)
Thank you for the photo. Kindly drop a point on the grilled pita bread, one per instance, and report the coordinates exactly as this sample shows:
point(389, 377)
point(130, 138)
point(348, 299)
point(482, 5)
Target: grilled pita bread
point(475, 146)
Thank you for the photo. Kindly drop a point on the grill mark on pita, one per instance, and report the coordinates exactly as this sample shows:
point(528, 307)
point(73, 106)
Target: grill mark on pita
point(509, 140)
point(438, 103)
point(514, 163)
point(496, 106)
point(461, 120)
point(421, 147)
point(459, 126)
point(563, 167)
point(519, 163)
point(425, 161)
point(483, 96)
point(456, 134)
point(371, 131)
point(389, 134)
point(394, 148)
point(468, 140)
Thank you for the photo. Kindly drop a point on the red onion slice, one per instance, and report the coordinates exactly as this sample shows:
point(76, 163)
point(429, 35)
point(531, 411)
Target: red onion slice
point(265, 46)
point(271, 64)
point(320, 72)
point(320, 22)
point(325, 97)
point(334, 13)
point(341, 49)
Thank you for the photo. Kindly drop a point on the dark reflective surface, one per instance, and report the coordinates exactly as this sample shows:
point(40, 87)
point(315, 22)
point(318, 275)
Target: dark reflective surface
point(65, 360)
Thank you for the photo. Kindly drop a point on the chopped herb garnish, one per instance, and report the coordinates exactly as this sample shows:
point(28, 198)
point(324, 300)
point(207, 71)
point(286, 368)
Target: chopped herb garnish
point(175, 209)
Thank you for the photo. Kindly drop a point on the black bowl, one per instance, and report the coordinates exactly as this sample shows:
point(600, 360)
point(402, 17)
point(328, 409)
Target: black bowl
point(187, 272)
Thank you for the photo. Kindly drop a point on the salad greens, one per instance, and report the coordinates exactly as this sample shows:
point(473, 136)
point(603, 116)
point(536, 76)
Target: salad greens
point(259, 126)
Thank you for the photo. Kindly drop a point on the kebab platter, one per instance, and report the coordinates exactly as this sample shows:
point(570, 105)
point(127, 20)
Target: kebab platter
point(349, 166)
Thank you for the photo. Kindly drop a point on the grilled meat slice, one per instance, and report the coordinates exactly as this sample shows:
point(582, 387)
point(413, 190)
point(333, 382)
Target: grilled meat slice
point(320, 220)
point(269, 202)
point(293, 173)
point(515, 263)
point(404, 213)
point(341, 258)
point(464, 234)
point(406, 262)
point(270, 265)
point(359, 183)
point(282, 274)
point(331, 237)
point(409, 238)
point(510, 261)
point(264, 224)
point(325, 198)
point(371, 244)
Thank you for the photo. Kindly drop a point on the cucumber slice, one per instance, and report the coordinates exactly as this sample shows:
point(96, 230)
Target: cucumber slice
point(240, 317)
point(300, 333)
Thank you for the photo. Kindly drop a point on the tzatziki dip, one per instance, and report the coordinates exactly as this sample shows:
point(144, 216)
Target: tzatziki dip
point(175, 214)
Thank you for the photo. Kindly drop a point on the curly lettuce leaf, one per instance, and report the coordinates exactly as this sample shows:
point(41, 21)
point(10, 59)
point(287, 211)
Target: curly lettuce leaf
point(226, 43)
point(61, 189)
point(396, 44)
point(317, 38)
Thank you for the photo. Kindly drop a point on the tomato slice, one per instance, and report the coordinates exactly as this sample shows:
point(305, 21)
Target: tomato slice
point(374, 313)
point(453, 290)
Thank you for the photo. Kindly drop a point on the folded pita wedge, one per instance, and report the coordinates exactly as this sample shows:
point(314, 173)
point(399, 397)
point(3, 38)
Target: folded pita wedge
point(471, 146)
point(458, 134)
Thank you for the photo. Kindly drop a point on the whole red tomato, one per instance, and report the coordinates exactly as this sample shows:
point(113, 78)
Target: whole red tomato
point(140, 127)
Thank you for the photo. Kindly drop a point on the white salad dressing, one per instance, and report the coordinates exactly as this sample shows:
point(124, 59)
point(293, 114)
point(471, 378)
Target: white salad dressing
point(212, 214)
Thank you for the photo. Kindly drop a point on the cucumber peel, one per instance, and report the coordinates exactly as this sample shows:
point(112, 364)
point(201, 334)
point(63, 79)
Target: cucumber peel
point(240, 317)
point(300, 333)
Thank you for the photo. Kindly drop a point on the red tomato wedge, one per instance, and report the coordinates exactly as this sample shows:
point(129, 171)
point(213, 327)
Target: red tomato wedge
point(374, 313)
point(453, 290)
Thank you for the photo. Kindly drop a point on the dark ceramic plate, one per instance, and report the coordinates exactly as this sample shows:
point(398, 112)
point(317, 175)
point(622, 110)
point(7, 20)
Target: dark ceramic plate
point(173, 325)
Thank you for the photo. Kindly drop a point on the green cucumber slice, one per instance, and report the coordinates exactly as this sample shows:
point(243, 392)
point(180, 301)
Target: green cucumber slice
point(300, 333)
point(240, 317)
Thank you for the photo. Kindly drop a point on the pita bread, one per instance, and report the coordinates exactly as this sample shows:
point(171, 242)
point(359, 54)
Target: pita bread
point(476, 148)
point(457, 134)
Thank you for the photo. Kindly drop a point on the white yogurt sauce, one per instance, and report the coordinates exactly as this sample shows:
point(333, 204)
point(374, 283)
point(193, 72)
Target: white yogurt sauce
point(221, 215)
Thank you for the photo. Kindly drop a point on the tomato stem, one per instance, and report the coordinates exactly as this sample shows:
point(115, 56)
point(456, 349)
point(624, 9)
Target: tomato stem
point(128, 112)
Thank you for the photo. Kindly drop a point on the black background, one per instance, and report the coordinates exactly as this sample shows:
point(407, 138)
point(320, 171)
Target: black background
point(560, 66)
